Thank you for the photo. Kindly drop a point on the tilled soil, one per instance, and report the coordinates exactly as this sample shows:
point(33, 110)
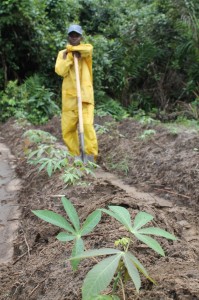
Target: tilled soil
point(158, 175)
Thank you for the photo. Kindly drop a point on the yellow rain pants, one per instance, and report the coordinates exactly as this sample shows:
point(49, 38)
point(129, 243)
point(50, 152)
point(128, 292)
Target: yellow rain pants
point(65, 68)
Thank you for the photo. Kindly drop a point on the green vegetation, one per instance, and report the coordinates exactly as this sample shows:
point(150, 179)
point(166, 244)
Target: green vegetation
point(147, 134)
point(73, 231)
point(43, 151)
point(31, 101)
point(121, 265)
point(121, 166)
point(145, 54)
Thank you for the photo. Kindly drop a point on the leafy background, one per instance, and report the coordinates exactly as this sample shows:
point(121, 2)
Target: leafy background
point(146, 53)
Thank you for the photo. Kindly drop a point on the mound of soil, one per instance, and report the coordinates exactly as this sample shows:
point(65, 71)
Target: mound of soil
point(158, 175)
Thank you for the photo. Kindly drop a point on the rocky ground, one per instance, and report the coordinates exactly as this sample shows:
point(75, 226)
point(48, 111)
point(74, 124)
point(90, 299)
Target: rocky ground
point(158, 174)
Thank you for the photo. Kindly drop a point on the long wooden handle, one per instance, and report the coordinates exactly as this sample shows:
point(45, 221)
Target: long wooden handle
point(79, 97)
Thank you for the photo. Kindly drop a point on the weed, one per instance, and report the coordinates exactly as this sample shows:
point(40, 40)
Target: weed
point(147, 134)
point(173, 130)
point(100, 129)
point(120, 265)
point(121, 166)
point(142, 118)
point(193, 124)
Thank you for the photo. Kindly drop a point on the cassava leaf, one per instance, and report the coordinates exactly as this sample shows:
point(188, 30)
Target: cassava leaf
point(97, 252)
point(65, 237)
point(141, 219)
point(138, 265)
point(71, 212)
point(42, 166)
point(53, 218)
point(91, 221)
point(49, 168)
point(123, 215)
point(116, 216)
point(149, 241)
point(99, 277)
point(158, 232)
point(133, 272)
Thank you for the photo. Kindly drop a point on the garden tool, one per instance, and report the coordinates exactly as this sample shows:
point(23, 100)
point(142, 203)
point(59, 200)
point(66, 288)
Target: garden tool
point(84, 157)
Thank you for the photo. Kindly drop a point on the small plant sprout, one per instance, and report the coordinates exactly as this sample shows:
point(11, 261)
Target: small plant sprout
point(73, 230)
point(147, 134)
point(121, 265)
point(73, 175)
point(100, 129)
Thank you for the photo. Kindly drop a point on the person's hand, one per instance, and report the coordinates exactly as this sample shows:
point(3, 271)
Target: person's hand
point(77, 54)
point(64, 54)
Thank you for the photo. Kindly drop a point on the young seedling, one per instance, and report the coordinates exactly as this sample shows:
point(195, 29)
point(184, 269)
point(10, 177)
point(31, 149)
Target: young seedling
point(120, 265)
point(147, 134)
point(73, 175)
point(41, 151)
point(73, 230)
point(123, 263)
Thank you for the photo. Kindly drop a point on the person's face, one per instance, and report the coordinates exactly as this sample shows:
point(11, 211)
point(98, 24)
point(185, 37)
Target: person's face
point(74, 38)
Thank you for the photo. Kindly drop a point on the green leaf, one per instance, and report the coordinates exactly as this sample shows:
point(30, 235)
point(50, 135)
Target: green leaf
point(49, 168)
point(138, 265)
point(42, 166)
point(53, 218)
point(141, 219)
point(117, 217)
point(158, 232)
point(99, 277)
point(133, 272)
point(71, 212)
point(65, 237)
point(78, 248)
point(123, 215)
point(91, 221)
point(149, 241)
point(97, 252)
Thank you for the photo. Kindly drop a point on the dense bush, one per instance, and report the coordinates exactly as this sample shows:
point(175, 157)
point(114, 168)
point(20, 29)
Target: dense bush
point(146, 53)
point(31, 101)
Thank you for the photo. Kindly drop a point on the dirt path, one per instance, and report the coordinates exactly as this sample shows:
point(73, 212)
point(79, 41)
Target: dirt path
point(41, 270)
point(9, 212)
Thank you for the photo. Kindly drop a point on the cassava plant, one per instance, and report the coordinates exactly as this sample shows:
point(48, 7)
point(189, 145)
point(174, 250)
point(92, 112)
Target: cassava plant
point(73, 230)
point(43, 152)
point(121, 262)
point(120, 265)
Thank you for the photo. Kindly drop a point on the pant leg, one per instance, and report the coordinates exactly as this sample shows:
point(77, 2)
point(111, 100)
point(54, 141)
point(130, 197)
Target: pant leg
point(90, 139)
point(69, 123)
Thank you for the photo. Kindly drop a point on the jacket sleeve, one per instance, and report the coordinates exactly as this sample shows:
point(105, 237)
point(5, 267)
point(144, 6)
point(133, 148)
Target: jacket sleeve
point(62, 65)
point(86, 50)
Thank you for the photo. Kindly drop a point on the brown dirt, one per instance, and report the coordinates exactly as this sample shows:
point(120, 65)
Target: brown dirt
point(159, 175)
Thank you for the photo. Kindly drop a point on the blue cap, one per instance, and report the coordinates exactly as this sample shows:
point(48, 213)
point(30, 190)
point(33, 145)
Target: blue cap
point(75, 28)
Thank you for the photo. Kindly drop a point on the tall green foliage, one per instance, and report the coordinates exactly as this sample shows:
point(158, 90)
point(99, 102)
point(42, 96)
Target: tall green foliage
point(145, 52)
point(31, 100)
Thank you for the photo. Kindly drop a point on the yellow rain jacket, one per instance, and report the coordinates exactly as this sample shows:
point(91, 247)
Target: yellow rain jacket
point(65, 68)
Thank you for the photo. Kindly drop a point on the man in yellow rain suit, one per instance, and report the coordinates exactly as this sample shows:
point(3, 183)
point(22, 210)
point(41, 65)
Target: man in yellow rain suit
point(65, 68)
